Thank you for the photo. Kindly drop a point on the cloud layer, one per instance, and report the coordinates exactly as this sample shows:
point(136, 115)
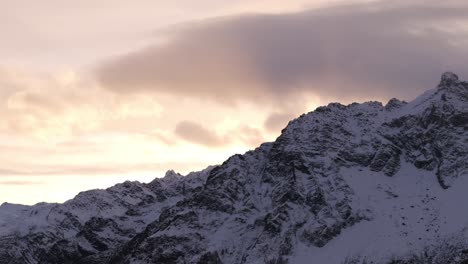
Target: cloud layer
point(224, 84)
point(374, 50)
point(198, 134)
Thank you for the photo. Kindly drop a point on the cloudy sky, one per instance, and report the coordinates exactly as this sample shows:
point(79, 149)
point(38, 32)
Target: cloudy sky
point(97, 92)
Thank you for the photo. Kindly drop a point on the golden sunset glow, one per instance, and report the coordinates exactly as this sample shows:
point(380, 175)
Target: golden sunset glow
point(93, 93)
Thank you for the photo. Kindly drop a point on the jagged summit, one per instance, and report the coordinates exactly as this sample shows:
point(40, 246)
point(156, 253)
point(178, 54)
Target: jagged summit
point(394, 103)
point(450, 83)
point(448, 78)
point(380, 181)
point(172, 174)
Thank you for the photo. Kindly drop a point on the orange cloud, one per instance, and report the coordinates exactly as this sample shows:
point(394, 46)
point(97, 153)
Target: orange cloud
point(56, 107)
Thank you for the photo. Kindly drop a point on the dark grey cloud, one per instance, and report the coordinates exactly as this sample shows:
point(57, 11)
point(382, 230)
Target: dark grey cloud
point(198, 134)
point(379, 49)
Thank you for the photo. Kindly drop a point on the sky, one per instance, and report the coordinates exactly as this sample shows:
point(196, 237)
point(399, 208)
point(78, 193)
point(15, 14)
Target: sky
point(93, 93)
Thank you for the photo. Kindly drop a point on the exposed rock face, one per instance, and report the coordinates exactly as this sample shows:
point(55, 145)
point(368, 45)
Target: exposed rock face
point(270, 204)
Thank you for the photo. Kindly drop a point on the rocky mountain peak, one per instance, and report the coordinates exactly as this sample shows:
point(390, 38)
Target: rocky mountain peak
point(448, 79)
point(449, 82)
point(394, 103)
point(171, 174)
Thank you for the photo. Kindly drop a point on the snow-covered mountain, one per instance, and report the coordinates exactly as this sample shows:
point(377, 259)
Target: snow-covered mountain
point(363, 183)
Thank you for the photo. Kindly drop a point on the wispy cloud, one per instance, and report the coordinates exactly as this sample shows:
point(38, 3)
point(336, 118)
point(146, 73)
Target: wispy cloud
point(35, 170)
point(198, 134)
point(21, 183)
point(277, 121)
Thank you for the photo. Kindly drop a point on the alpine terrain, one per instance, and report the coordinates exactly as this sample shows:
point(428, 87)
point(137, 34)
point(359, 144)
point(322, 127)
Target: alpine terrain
point(358, 183)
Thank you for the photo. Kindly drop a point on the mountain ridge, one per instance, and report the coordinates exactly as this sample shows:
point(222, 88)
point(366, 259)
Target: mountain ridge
point(331, 172)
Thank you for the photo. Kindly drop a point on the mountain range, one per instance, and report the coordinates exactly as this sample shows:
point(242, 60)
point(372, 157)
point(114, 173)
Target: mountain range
point(358, 183)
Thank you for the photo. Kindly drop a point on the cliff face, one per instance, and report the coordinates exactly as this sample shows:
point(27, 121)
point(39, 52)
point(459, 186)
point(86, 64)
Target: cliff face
point(341, 180)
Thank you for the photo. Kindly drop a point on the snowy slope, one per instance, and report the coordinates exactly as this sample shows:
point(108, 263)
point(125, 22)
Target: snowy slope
point(342, 182)
point(90, 225)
